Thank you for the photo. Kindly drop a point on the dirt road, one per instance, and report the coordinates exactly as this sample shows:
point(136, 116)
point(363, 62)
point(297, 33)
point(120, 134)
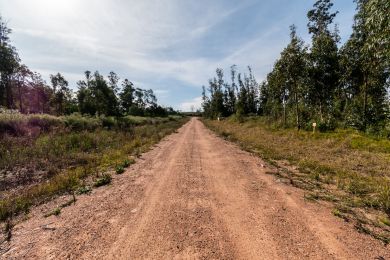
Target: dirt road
point(194, 196)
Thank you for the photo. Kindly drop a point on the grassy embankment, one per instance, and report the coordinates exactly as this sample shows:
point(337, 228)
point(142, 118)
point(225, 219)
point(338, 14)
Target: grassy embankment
point(42, 156)
point(346, 167)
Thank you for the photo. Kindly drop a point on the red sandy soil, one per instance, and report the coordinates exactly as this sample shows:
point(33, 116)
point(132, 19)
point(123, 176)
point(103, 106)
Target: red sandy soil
point(194, 196)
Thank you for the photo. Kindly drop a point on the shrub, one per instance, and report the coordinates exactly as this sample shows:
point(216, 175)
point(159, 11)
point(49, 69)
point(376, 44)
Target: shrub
point(17, 124)
point(119, 169)
point(124, 123)
point(44, 122)
point(12, 123)
point(108, 122)
point(77, 122)
point(328, 125)
point(127, 162)
point(104, 180)
point(55, 212)
point(384, 198)
point(84, 190)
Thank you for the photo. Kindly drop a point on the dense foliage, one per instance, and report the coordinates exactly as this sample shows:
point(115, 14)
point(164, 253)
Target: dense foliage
point(26, 91)
point(332, 85)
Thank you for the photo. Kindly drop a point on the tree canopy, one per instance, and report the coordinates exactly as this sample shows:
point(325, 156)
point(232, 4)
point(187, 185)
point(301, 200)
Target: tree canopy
point(25, 90)
point(332, 85)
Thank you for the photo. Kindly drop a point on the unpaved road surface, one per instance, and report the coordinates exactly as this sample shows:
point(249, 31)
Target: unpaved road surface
point(194, 196)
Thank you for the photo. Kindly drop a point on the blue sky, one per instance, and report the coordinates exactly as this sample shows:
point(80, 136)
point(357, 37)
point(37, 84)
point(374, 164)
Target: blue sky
point(170, 46)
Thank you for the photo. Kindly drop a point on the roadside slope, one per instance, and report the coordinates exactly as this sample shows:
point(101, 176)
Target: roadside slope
point(193, 196)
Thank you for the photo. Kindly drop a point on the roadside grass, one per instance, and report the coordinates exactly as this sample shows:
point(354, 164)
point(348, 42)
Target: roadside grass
point(345, 167)
point(36, 167)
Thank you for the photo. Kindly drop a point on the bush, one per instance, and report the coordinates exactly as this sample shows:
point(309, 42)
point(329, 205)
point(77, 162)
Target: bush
point(104, 180)
point(44, 122)
point(108, 122)
point(12, 123)
point(119, 169)
point(137, 120)
point(77, 122)
point(328, 125)
point(17, 124)
point(384, 198)
point(124, 123)
point(84, 190)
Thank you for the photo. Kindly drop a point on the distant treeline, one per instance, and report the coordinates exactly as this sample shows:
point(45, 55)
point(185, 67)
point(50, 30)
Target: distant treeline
point(26, 91)
point(335, 87)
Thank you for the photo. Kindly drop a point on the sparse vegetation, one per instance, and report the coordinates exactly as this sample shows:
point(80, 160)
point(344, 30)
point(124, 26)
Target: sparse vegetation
point(54, 154)
point(84, 190)
point(127, 162)
point(54, 212)
point(103, 180)
point(119, 169)
point(333, 166)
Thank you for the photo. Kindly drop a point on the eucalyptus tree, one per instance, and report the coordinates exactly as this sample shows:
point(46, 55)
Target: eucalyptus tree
point(9, 63)
point(96, 96)
point(365, 72)
point(293, 63)
point(62, 95)
point(324, 60)
point(126, 96)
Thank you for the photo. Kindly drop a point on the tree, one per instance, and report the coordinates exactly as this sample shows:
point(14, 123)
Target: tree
point(95, 96)
point(349, 86)
point(320, 17)
point(127, 96)
point(366, 72)
point(62, 94)
point(229, 95)
point(324, 59)
point(22, 81)
point(39, 95)
point(9, 62)
point(293, 67)
point(378, 28)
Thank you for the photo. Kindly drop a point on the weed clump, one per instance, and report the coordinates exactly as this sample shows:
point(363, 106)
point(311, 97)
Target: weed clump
point(103, 180)
point(127, 162)
point(119, 169)
point(54, 212)
point(84, 190)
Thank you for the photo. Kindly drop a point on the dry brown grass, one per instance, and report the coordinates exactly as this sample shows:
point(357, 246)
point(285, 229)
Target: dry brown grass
point(345, 167)
point(58, 162)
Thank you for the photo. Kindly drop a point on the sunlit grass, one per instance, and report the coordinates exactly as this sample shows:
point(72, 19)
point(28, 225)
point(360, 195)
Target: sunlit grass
point(355, 163)
point(68, 154)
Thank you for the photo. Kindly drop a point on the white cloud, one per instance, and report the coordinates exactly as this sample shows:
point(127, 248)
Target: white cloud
point(192, 105)
point(147, 41)
point(117, 32)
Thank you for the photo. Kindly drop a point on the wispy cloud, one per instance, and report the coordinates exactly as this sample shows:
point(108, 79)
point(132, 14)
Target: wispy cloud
point(171, 46)
point(191, 105)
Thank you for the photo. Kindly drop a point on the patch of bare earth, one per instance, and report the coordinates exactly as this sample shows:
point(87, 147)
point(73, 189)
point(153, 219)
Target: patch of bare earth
point(193, 196)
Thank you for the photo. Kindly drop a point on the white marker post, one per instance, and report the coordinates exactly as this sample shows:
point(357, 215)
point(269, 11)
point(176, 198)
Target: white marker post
point(314, 127)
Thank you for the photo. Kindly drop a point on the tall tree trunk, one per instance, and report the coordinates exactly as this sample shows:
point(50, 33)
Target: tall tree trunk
point(284, 110)
point(9, 97)
point(365, 97)
point(321, 112)
point(297, 110)
point(20, 98)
